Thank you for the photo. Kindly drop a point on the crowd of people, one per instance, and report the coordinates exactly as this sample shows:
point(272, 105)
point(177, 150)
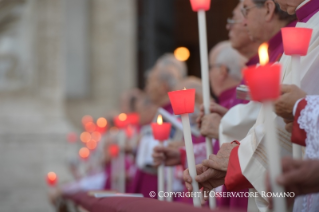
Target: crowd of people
point(239, 162)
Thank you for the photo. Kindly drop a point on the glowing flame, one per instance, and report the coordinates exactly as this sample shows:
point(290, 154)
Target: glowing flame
point(101, 122)
point(263, 54)
point(159, 120)
point(84, 153)
point(181, 53)
point(122, 117)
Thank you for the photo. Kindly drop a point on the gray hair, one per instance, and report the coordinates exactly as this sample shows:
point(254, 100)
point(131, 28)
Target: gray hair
point(169, 59)
point(284, 16)
point(234, 61)
point(168, 77)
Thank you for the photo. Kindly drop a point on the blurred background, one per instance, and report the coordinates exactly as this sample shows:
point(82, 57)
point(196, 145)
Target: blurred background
point(63, 59)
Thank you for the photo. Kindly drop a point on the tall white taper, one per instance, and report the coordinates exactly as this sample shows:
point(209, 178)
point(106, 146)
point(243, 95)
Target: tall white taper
point(295, 62)
point(160, 180)
point(191, 159)
point(121, 164)
point(273, 155)
point(205, 81)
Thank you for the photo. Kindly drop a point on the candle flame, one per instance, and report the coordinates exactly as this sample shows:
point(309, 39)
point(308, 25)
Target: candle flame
point(122, 117)
point(263, 54)
point(52, 176)
point(184, 88)
point(159, 120)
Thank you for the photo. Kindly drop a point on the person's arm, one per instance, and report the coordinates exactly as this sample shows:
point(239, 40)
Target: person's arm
point(298, 135)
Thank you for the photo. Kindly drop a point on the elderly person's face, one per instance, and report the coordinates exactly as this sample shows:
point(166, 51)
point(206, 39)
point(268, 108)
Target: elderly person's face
point(238, 34)
point(217, 74)
point(289, 6)
point(254, 19)
point(154, 86)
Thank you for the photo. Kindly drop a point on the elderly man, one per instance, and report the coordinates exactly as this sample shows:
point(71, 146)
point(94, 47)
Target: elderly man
point(264, 20)
point(163, 78)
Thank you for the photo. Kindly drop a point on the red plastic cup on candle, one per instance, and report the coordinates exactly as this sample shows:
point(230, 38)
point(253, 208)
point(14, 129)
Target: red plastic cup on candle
point(121, 121)
point(52, 179)
point(263, 82)
point(133, 118)
point(200, 5)
point(161, 131)
point(114, 150)
point(296, 40)
point(183, 101)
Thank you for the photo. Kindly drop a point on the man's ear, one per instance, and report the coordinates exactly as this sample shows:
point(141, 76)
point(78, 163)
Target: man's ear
point(270, 10)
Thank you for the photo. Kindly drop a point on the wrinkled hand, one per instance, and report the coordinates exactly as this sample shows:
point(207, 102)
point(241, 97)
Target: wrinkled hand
point(220, 161)
point(210, 125)
point(299, 176)
point(290, 94)
point(214, 108)
point(167, 155)
point(207, 179)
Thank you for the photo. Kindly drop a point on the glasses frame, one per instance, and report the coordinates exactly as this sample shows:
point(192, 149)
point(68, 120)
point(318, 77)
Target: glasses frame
point(245, 10)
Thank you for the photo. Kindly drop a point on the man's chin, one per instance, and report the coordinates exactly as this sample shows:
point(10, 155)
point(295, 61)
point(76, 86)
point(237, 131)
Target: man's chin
point(291, 10)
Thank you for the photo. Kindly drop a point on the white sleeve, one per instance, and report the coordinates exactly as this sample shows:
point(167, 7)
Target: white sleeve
point(237, 122)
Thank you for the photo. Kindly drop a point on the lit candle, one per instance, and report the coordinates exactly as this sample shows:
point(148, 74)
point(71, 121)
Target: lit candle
point(161, 133)
point(264, 85)
point(52, 179)
point(200, 6)
point(183, 102)
point(121, 121)
point(296, 43)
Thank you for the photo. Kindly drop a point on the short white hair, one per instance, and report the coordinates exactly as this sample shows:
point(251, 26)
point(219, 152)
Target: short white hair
point(234, 61)
point(169, 60)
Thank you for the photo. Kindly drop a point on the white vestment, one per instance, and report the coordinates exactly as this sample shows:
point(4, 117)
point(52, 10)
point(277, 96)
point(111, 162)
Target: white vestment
point(252, 152)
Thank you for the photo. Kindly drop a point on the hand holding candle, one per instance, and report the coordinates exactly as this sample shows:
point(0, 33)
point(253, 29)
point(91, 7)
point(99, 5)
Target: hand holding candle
point(183, 102)
point(200, 6)
point(264, 84)
point(161, 132)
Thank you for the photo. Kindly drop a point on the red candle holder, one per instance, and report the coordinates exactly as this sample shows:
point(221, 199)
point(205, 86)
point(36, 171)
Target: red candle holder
point(200, 5)
point(182, 101)
point(121, 121)
point(161, 132)
point(52, 179)
point(133, 118)
point(129, 131)
point(263, 82)
point(296, 40)
point(114, 150)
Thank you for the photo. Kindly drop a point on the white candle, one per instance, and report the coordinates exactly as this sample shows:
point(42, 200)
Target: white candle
point(295, 62)
point(191, 159)
point(205, 81)
point(160, 180)
point(121, 160)
point(273, 154)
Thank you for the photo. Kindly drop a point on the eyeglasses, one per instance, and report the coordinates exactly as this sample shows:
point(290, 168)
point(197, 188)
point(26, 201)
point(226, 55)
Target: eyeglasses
point(231, 21)
point(245, 10)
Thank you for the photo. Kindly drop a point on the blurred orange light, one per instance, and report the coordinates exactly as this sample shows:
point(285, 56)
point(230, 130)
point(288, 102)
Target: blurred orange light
point(52, 178)
point(122, 117)
point(86, 119)
point(90, 127)
point(114, 150)
point(85, 137)
point(263, 54)
point(101, 122)
point(182, 53)
point(96, 136)
point(84, 153)
point(91, 145)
